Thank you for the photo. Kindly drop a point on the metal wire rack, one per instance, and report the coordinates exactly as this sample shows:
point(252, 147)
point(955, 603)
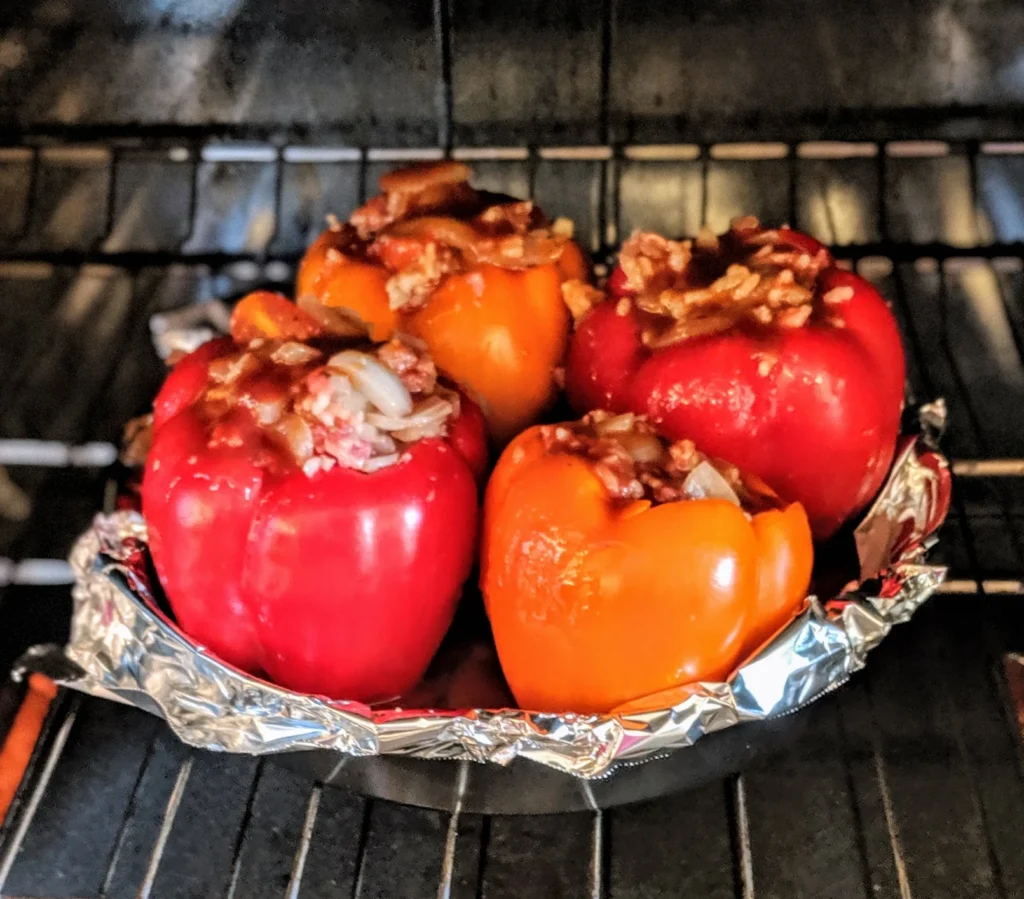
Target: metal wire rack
point(105, 226)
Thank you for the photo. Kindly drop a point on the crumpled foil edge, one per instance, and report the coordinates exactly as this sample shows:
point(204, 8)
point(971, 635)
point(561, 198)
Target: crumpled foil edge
point(123, 648)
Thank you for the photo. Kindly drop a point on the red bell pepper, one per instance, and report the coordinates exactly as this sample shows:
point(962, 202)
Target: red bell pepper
point(313, 516)
point(759, 348)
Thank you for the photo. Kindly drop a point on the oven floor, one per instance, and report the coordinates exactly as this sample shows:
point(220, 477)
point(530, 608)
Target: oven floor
point(905, 783)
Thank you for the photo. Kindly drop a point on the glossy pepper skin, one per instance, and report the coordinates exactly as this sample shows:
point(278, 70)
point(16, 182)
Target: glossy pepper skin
point(341, 583)
point(595, 602)
point(813, 410)
point(499, 331)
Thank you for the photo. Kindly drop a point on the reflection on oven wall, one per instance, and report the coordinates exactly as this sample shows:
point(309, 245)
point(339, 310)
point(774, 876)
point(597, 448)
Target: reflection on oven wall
point(474, 72)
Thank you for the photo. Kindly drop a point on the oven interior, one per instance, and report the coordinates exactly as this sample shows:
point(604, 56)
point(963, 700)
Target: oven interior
point(153, 153)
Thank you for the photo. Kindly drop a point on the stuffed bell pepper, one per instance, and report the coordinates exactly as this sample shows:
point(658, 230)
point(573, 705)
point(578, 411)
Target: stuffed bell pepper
point(617, 565)
point(476, 276)
point(758, 347)
point(312, 505)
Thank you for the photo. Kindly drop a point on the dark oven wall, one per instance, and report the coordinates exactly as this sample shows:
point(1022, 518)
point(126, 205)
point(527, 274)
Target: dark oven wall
point(472, 72)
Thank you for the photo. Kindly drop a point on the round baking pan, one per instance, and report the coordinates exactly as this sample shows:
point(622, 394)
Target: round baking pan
point(528, 788)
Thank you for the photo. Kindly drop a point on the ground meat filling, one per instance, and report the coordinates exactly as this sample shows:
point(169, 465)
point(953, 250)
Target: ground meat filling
point(634, 463)
point(580, 297)
point(747, 276)
point(428, 223)
point(138, 435)
point(313, 407)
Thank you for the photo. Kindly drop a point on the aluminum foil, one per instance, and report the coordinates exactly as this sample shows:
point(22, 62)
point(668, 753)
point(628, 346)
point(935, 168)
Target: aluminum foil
point(186, 329)
point(123, 647)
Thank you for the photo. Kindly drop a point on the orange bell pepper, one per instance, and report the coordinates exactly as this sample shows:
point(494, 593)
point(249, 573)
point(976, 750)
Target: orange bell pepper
point(500, 334)
point(605, 582)
point(476, 276)
point(340, 282)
